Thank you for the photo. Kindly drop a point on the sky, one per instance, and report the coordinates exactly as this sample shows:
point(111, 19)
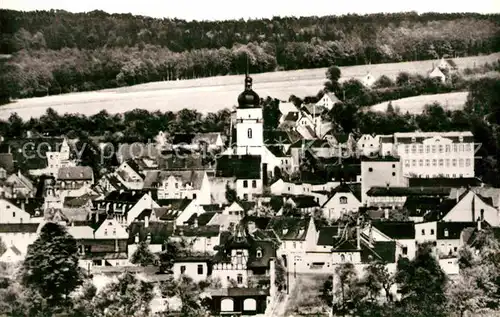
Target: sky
point(234, 9)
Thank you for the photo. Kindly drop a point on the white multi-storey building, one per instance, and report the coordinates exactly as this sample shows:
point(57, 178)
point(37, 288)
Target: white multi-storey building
point(435, 154)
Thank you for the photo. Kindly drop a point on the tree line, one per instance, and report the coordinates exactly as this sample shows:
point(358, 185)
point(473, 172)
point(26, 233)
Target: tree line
point(59, 52)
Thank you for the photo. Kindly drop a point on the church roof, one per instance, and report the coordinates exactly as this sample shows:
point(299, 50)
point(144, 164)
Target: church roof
point(248, 98)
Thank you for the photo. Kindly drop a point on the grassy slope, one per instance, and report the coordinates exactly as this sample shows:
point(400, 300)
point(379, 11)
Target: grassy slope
point(211, 94)
point(415, 105)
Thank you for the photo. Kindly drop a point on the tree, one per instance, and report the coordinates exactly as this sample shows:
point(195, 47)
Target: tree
point(347, 281)
point(422, 284)
point(333, 75)
point(383, 82)
point(231, 195)
point(378, 278)
point(128, 297)
point(390, 108)
point(51, 264)
point(280, 275)
point(3, 248)
point(142, 255)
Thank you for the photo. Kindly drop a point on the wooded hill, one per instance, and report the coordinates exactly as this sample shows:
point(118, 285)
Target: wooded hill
point(57, 52)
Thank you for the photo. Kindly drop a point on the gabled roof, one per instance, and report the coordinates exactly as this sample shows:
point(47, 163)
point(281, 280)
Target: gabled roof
point(31, 153)
point(80, 173)
point(166, 214)
point(288, 228)
point(443, 182)
point(453, 229)
point(194, 178)
point(408, 191)
point(77, 202)
point(202, 219)
point(18, 227)
point(332, 97)
point(291, 116)
point(355, 189)
point(241, 167)
point(174, 203)
point(31, 205)
point(304, 201)
point(382, 250)
point(126, 196)
point(277, 151)
point(314, 110)
point(326, 235)
point(418, 206)
point(134, 166)
point(159, 231)
point(397, 230)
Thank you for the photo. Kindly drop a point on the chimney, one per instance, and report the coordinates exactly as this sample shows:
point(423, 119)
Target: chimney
point(136, 239)
point(251, 227)
point(195, 224)
point(386, 213)
point(116, 246)
point(19, 173)
point(479, 225)
point(457, 196)
point(146, 221)
point(358, 236)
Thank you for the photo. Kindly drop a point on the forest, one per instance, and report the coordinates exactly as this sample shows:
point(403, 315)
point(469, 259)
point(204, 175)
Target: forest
point(53, 52)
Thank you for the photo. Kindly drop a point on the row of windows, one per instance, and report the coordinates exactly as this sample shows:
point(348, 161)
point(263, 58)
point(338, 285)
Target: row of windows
point(440, 162)
point(199, 269)
point(438, 148)
point(254, 184)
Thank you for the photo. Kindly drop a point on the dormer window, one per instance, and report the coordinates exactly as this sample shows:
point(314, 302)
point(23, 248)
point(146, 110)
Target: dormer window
point(461, 138)
point(413, 139)
point(105, 232)
point(258, 254)
point(343, 200)
point(446, 233)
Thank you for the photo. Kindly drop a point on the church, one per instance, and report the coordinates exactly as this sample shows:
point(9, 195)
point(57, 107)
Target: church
point(253, 158)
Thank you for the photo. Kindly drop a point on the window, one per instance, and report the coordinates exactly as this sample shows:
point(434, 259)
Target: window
point(407, 149)
point(342, 258)
point(200, 269)
point(447, 148)
point(413, 162)
point(343, 200)
point(370, 169)
point(249, 133)
point(434, 162)
point(420, 149)
point(441, 162)
point(433, 147)
point(413, 149)
point(427, 149)
point(432, 232)
point(294, 245)
point(461, 162)
point(454, 163)
point(245, 196)
point(183, 269)
point(14, 214)
point(467, 147)
point(393, 165)
point(259, 253)
point(455, 249)
point(114, 231)
point(420, 162)
point(461, 148)
point(440, 148)
point(447, 162)
point(393, 173)
point(239, 279)
point(254, 184)
point(176, 185)
point(407, 163)
point(245, 184)
point(467, 162)
point(405, 250)
point(427, 163)
point(455, 148)
point(423, 232)
point(105, 232)
point(446, 232)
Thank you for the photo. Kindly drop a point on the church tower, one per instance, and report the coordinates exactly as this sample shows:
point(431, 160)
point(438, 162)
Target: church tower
point(249, 122)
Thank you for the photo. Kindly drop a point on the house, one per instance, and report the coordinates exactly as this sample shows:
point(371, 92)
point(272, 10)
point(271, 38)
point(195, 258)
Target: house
point(287, 108)
point(178, 184)
point(131, 174)
point(196, 267)
point(202, 239)
point(109, 183)
point(308, 187)
point(101, 242)
point(449, 237)
point(368, 80)
point(469, 207)
point(289, 121)
point(20, 235)
point(447, 65)
point(344, 144)
point(11, 255)
point(343, 199)
point(395, 197)
point(177, 210)
point(125, 206)
point(381, 171)
point(437, 73)
point(311, 122)
point(247, 170)
point(155, 233)
point(368, 145)
point(74, 180)
point(11, 213)
point(328, 100)
point(436, 154)
point(303, 203)
point(21, 185)
point(401, 232)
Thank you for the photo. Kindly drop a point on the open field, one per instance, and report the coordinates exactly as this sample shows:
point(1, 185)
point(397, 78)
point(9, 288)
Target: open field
point(211, 94)
point(415, 105)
